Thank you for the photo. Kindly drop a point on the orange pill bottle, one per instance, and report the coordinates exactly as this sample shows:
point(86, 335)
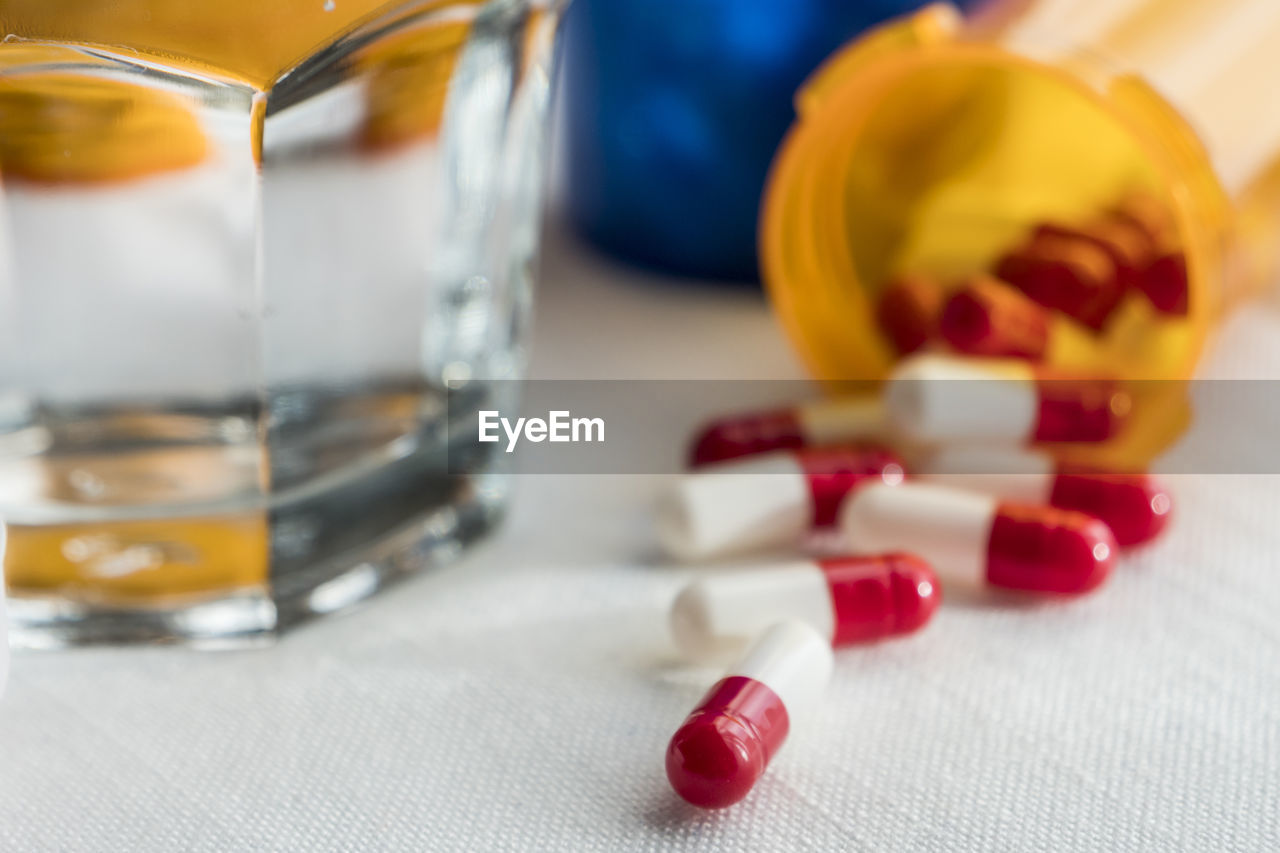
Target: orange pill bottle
point(932, 146)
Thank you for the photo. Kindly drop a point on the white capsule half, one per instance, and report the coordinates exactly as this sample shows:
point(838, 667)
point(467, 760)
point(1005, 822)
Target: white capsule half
point(949, 528)
point(843, 420)
point(718, 614)
point(794, 661)
point(1023, 476)
point(737, 506)
point(940, 399)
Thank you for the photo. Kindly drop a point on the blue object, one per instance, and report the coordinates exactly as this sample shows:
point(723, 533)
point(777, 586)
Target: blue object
point(674, 110)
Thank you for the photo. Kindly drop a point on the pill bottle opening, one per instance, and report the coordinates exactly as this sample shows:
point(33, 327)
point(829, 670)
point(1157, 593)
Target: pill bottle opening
point(937, 160)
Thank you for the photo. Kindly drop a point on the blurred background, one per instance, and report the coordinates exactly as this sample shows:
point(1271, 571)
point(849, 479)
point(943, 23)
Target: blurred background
point(261, 265)
point(671, 129)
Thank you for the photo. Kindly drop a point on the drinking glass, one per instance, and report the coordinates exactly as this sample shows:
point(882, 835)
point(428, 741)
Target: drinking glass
point(260, 264)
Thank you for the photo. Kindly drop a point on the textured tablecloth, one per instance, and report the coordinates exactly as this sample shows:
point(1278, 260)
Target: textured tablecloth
point(522, 698)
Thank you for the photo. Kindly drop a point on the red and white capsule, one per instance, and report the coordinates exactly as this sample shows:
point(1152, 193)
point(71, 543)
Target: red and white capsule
point(845, 599)
point(825, 422)
point(767, 500)
point(977, 538)
point(722, 749)
point(935, 399)
point(1134, 506)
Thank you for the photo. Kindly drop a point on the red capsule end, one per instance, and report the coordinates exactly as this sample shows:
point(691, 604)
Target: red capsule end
point(876, 597)
point(724, 746)
point(1165, 284)
point(1135, 506)
point(1042, 549)
point(1084, 410)
point(746, 435)
point(989, 318)
point(908, 310)
point(916, 592)
point(833, 472)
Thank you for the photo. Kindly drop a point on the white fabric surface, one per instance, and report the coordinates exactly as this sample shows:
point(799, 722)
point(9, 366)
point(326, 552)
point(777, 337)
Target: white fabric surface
point(521, 699)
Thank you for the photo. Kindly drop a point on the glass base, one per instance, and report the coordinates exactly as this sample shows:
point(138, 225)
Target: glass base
point(255, 616)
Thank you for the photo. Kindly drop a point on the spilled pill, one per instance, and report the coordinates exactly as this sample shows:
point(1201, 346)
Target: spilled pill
point(980, 539)
point(716, 757)
point(851, 599)
point(934, 399)
point(767, 500)
point(1135, 507)
point(836, 421)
